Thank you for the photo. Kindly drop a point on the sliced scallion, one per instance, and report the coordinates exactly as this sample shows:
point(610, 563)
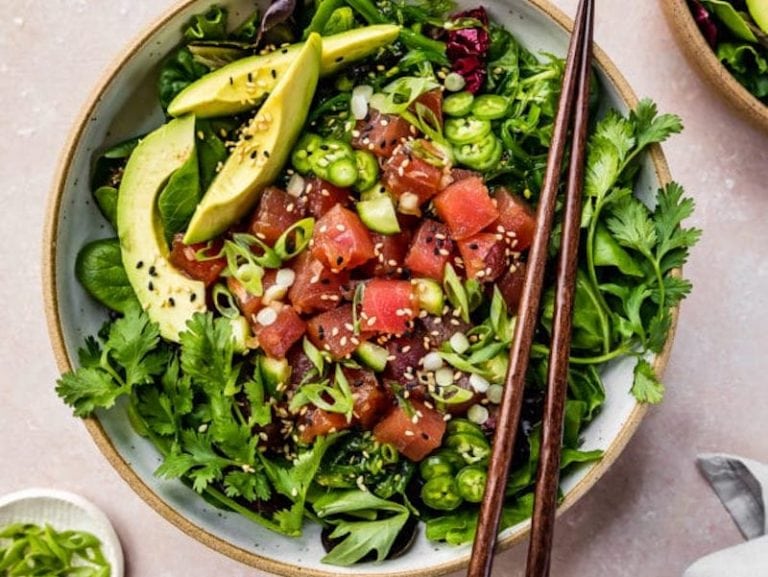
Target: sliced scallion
point(294, 240)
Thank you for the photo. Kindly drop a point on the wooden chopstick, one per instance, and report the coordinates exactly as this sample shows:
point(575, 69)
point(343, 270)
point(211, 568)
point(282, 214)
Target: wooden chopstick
point(575, 87)
point(548, 471)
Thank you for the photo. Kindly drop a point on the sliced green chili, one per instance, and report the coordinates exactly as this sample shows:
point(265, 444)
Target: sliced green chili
point(466, 130)
point(459, 104)
point(481, 155)
point(367, 170)
point(490, 107)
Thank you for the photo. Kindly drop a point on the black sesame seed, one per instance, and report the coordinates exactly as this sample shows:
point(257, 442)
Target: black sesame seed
point(266, 154)
point(150, 286)
point(340, 59)
point(140, 264)
point(274, 73)
point(152, 271)
point(193, 297)
point(171, 302)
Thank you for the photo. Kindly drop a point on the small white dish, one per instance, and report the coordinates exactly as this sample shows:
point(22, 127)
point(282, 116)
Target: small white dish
point(63, 511)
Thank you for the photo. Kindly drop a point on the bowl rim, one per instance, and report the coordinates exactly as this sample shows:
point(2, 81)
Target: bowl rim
point(104, 443)
point(698, 50)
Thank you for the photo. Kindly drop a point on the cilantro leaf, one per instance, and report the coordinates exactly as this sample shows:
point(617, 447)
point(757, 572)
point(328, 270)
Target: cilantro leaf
point(88, 389)
point(252, 485)
point(194, 457)
point(674, 240)
point(133, 343)
point(647, 388)
point(650, 127)
point(163, 409)
point(207, 351)
point(89, 356)
point(631, 225)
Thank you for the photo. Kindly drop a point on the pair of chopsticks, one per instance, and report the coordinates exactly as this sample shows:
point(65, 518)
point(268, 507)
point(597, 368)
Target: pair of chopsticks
point(572, 114)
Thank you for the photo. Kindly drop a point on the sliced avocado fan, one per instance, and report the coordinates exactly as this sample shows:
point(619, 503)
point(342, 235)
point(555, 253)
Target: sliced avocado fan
point(241, 85)
point(264, 146)
point(169, 297)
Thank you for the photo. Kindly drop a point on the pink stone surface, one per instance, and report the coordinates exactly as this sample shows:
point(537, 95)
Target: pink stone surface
point(651, 515)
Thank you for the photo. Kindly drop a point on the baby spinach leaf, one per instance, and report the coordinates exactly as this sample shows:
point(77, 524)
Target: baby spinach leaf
point(178, 200)
point(106, 199)
point(99, 268)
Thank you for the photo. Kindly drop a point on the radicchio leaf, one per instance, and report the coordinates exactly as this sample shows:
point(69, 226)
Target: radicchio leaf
point(277, 13)
point(468, 45)
point(705, 21)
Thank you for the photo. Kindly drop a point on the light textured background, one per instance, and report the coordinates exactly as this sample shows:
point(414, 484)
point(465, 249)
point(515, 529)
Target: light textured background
point(651, 515)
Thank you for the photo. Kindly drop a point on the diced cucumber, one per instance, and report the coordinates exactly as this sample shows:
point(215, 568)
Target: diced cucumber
point(379, 215)
point(372, 356)
point(241, 332)
point(430, 295)
point(275, 373)
point(374, 192)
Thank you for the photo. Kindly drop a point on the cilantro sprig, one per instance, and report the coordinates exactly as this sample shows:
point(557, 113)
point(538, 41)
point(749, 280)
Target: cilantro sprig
point(632, 311)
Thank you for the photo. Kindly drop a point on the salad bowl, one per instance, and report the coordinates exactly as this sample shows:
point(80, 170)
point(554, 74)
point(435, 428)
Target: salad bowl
point(124, 105)
point(699, 52)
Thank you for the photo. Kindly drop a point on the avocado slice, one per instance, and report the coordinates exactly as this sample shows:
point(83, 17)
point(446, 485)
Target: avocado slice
point(758, 9)
point(263, 149)
point(169, 297)
point(241, 85)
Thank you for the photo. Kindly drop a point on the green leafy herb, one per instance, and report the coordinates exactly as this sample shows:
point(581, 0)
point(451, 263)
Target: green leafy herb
point(130, 357)
point(178, 200)
point(361, 537)
point(210, 25)
point(176, 73)
point(99, 268)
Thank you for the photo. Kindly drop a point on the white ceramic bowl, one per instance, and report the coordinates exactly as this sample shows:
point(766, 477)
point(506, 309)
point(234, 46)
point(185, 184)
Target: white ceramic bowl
point(63, 511)
point(124, 105)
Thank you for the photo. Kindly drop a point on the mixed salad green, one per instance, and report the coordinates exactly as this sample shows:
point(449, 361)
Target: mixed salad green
point(737, 30)
point(348, 359)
